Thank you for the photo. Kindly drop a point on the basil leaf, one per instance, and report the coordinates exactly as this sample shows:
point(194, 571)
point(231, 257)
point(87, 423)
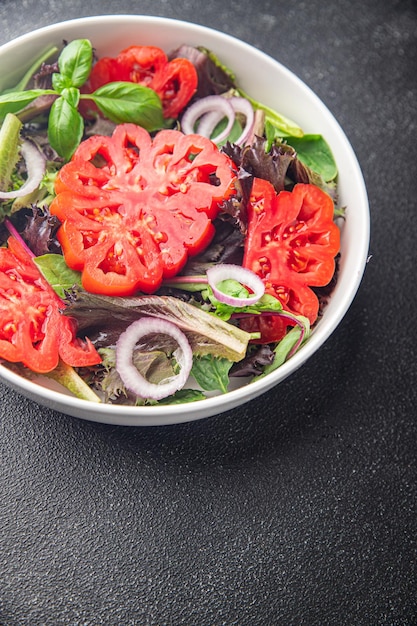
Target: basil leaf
point(124, 102)
point(315, 153)
point(72, 96)
point(211, 373)
point(57, 273)
point(65, 128)
point(75, 61)
point(60, 82)
point(17, 100)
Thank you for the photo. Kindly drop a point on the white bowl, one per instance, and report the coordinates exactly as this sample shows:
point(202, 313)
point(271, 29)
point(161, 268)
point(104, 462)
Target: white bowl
point(274, 85)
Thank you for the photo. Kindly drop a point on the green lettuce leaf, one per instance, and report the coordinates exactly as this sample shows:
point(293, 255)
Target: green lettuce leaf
point(57, 273)
point(211, 373)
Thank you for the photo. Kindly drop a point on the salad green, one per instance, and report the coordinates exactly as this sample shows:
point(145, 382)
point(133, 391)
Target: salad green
point(54, 108)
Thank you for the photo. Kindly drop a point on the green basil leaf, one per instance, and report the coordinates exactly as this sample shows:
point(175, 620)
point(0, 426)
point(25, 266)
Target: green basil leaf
point(75, 61)
point(211, 373)
point(65, 128)
point(60, 82)
point(72, 96)
point(57, 273)
point(315, 153)
point(16, 101)
point(124, 102)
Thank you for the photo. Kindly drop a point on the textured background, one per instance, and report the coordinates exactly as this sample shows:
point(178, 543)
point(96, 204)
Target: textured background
point(300, 507)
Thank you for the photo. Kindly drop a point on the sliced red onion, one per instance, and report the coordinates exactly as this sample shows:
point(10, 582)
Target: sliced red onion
point(208, 105)
point(244, 276)
point(15, 233)
point(241, 105)
point(208, 123)
point(35, 167)
point(210, 110)
point(133, 380)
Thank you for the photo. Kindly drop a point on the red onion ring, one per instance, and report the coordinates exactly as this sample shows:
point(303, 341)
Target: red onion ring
point(241, 105)
point(209, 121)
point(208, 105)
point(244, 276)
point(133, 380)
point(35, 167)
point(210, 110)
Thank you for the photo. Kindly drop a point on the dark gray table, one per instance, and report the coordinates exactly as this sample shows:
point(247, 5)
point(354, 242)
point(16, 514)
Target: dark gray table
point(300, 507)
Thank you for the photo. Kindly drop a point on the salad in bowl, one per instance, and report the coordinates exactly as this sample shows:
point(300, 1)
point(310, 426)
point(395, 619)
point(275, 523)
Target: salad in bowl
point(182, 221)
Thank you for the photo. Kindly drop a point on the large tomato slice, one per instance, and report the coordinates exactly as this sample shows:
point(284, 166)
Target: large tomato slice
point(291, 244)
point(133, 209)
point(33, 330)
point(174, 81)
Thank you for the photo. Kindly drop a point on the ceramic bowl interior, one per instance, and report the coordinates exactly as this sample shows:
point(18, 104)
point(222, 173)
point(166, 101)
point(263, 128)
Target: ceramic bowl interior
point(274, 85)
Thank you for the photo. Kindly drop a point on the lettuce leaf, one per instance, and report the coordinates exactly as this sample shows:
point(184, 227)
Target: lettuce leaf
point(206, 333)
point(211, 373)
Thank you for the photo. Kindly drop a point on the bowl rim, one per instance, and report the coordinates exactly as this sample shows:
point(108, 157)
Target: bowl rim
point(178, 413)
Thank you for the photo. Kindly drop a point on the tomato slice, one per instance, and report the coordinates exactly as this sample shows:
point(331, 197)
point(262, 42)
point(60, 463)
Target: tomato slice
point(33, 330)
point(133, 209)
point(141, 64)
point(291, 244)
point(174, 81)
point(175, 84)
